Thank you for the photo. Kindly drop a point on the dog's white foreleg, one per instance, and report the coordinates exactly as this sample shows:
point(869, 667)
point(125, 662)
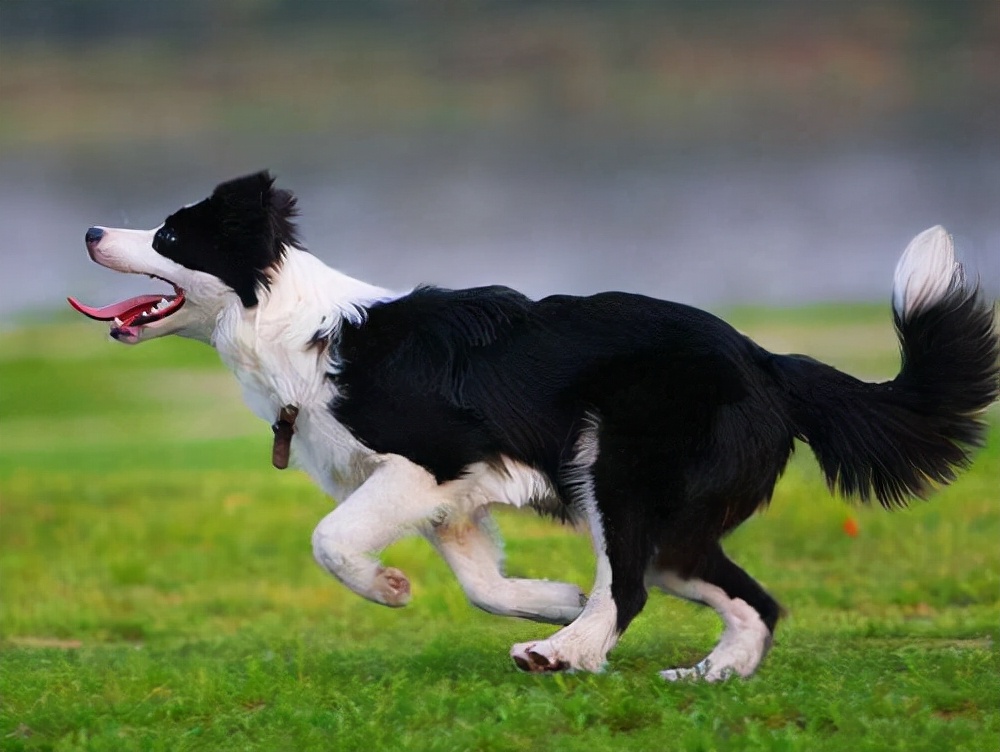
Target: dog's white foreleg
point(397, 500)
point(471, 547)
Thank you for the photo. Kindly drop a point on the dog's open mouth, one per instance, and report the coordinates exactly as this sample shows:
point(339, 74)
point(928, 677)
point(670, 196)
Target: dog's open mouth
point(129, 316)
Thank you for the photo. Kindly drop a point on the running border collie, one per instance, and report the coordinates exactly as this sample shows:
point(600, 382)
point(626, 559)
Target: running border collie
point(655, 424)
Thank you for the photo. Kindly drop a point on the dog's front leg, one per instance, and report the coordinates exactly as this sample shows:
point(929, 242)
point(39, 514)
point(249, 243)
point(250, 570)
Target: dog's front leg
point(395, 501)
point(471, 547)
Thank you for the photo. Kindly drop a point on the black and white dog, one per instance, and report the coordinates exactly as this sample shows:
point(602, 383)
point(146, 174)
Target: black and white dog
point(655, 424)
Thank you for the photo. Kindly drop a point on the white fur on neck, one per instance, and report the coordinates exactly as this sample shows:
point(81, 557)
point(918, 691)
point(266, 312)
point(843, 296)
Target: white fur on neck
point(925, 272)
point(268, 348)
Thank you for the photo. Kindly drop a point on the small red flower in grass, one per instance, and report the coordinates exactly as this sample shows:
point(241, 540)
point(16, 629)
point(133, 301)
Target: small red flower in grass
point(851, 527)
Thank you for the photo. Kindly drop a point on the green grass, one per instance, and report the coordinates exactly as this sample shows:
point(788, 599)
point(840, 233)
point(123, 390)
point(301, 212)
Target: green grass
point(158, 591)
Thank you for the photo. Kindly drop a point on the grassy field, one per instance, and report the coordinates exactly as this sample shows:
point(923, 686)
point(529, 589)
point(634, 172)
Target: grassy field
point(158, 590)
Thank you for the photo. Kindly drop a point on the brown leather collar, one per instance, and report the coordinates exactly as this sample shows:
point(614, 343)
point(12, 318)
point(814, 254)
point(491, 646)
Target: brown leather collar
point(283, 429)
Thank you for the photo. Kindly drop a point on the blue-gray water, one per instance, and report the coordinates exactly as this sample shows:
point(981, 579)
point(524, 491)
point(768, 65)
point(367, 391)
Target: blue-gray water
point(547, 216)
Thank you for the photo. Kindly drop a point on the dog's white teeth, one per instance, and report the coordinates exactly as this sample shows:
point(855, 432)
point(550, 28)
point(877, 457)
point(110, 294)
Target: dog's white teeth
point(118, 321)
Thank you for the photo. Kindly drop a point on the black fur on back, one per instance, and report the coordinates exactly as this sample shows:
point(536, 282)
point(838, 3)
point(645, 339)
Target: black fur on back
point(237, 234)
point(448, 378)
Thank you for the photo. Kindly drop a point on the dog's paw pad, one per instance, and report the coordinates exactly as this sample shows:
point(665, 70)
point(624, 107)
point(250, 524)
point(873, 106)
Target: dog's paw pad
point(522, 662)
point(392, 586)
point(544, 663)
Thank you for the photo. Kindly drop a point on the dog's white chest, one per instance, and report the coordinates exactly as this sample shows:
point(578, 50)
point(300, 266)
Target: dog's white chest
point(273, 373)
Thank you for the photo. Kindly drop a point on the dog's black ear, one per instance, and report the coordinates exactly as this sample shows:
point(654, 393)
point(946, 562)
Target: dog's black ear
point(284, 210)
point(256, 226)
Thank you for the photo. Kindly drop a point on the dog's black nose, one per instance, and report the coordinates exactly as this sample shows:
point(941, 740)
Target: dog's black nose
point(93, 235)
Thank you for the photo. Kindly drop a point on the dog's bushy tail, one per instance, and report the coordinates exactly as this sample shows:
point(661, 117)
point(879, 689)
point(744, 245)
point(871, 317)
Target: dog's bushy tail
point(901, 438)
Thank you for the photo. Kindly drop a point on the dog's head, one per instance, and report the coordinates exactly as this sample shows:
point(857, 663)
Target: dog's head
point(214, 253)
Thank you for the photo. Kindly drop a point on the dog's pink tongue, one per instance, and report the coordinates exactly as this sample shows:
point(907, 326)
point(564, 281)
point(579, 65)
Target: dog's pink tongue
point(116, 310)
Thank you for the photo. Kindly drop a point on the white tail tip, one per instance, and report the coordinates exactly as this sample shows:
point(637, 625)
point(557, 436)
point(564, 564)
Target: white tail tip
point(925, 272)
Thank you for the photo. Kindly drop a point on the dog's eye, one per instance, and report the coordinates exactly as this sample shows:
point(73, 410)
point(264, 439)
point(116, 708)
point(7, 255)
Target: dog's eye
point(164, 238)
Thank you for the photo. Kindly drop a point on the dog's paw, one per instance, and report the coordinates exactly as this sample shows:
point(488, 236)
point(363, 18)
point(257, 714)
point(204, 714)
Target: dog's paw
point(391, 587)
point(703, 671)
point(537, 657)
point(741, 648)
point(556, 655)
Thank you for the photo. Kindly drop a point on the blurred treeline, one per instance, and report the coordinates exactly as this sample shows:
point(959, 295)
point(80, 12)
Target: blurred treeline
point(792, 71)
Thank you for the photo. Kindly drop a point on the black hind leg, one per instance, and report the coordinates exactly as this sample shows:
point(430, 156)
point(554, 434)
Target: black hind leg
point(747, 611)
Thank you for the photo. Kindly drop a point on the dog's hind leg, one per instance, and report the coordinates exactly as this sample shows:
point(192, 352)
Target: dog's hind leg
point(748, 613)
point(471, 547)
point(397, 500)
point(622, 548)
point(585, 643)
point(606, 492)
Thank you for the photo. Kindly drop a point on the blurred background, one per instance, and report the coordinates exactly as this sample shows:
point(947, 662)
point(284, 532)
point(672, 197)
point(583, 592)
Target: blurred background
point(716, 152)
